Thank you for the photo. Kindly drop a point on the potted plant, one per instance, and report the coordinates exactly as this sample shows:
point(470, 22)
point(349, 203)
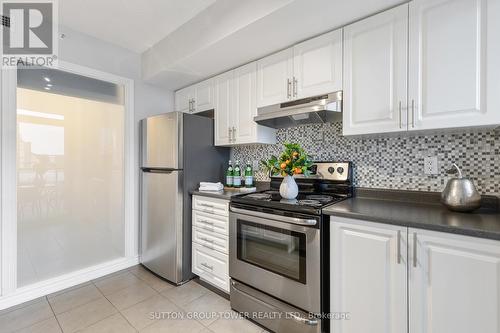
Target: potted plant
point(293, 161)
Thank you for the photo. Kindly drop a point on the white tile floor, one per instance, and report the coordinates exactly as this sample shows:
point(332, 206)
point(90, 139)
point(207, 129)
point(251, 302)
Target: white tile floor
point(132, 300)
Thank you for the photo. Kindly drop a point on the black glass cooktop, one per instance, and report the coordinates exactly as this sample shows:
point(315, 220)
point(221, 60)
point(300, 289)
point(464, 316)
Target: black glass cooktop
point(305, 202)
point(303, 199)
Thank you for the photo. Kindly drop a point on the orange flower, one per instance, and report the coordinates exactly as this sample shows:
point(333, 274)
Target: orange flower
point(287, 162)
point(298, 171)
point(283, 165)
point(295, 154)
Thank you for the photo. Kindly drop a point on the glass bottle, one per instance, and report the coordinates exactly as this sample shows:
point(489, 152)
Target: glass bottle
point(237, 175)
point(230, 175)
point(248, 175)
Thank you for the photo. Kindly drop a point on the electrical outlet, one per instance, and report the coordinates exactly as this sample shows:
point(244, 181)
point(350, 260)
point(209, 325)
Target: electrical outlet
point(431, 165)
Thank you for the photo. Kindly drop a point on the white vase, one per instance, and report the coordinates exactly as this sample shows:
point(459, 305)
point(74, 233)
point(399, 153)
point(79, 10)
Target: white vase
point(288, 188)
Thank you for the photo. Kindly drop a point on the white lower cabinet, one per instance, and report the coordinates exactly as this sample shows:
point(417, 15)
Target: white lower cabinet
point(210, 241)
point(453, 281)
point(211, 266)
point(454, 284)
point(368, 277)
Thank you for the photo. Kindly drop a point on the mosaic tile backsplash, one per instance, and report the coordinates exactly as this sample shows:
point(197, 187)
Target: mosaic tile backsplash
point(393, 162)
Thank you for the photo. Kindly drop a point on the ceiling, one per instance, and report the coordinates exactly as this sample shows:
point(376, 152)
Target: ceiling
point(133, 24)
point(182, 42)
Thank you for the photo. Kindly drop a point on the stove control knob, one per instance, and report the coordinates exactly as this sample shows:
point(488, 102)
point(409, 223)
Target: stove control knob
point(331, 170)
point(340, 170)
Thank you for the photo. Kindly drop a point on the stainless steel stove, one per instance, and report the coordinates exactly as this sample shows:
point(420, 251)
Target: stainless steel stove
point(277, 250)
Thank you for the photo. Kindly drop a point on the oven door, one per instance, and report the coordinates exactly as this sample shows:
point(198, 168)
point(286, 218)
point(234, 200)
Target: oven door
point(277, 255)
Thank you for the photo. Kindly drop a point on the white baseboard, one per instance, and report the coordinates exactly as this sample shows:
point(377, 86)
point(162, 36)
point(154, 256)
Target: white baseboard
point(50, 286)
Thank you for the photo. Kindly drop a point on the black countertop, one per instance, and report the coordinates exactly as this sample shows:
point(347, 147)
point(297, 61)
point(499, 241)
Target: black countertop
point(419, 210)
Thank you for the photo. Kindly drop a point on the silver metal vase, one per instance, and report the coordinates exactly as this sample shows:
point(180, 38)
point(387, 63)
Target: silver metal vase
point(460, 194)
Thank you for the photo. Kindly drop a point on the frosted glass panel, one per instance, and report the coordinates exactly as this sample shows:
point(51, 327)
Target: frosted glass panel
point(70, 173)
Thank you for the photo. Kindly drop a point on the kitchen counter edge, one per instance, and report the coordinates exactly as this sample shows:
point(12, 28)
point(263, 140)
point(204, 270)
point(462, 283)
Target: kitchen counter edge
point(420, 210)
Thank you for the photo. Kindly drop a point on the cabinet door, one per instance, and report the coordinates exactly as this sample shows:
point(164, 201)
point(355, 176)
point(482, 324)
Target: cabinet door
point(448, 67)
point(204, 96)
point(223, 108)
point(454, 283)
point(274, 78)
point(317, 65)
point(368, 276)
point(183, 99)
point(245, 83)
point(375, 73)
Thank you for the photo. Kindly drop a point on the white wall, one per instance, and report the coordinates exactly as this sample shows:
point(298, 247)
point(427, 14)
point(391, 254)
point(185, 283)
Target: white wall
point(88, 51)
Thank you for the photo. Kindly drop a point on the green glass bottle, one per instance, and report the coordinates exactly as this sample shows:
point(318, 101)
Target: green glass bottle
point(230, 175)
point(237, 175)
point(248, 175)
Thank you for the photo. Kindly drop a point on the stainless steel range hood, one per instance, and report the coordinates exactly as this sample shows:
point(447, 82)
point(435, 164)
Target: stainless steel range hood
point(319, 109)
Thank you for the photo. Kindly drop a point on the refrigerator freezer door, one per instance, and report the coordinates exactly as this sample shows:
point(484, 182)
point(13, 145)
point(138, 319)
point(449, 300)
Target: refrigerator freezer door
point(161, 232)
point(162, 141)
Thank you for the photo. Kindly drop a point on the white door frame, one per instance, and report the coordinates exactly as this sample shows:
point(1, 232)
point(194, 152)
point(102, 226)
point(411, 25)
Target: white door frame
point(9, 293)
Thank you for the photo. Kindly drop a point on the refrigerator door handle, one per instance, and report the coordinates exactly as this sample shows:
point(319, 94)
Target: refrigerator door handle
point(157, 171)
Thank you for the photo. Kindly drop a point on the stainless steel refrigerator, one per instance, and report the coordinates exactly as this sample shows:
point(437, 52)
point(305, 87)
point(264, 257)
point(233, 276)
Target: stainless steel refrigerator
point(177, 153)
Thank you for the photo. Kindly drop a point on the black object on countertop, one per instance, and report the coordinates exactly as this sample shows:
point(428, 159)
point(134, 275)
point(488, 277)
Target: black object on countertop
point(419, 210)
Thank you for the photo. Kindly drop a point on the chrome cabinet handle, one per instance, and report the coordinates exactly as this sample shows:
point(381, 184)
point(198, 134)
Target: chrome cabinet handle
point(398, 253)
point(234, 134)
point(208, 229)
point(230, 134)
point(207, 266)
point(206, 205)
point(207, 222)
point(295, 83)
point(415, 261)
point(207, 240)
point(193, 105)
point(413, 113)
point(288, 88)
point(210, 247)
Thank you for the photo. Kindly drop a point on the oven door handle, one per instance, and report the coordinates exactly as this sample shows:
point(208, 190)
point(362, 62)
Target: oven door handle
point(305, 321)
point(279, 218)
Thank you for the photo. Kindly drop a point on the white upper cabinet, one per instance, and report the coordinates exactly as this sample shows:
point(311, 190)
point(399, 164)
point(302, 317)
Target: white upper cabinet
point(197, 98)
point(317, 65)
point(452, 69)
point(454, 283)
point(274, 78)
point(184, 99)
point(245, 85)
point(204, 96)
point(375, 73)
point(245, 94)
point(311, 68)
point(236, 106)
point(368, 276)
point(224, 107)
point(452, 63)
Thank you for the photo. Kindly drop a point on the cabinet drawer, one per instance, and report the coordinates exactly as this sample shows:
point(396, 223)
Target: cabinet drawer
point(212, 266)
point(211, 205)
point(211, 223)
point(211, 240)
